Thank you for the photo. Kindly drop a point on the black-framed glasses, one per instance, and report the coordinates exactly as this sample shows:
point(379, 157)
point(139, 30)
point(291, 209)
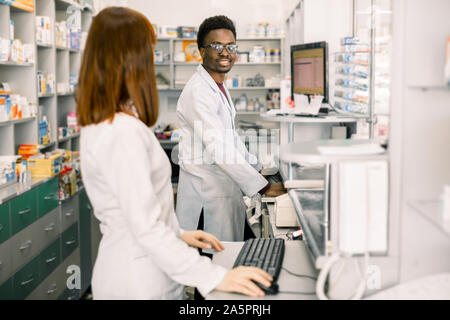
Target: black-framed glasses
point(217, 47)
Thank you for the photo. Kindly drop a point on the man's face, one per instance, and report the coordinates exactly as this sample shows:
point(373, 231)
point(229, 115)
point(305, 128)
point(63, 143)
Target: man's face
point(214, 61)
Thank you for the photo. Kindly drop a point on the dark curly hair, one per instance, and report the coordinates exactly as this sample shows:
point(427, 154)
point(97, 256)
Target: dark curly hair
point(213, 23)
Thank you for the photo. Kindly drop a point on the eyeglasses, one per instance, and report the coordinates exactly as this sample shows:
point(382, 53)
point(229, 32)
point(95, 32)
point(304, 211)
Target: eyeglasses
point(231, 48)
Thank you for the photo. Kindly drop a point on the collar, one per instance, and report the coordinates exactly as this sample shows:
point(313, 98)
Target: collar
point(207, 77)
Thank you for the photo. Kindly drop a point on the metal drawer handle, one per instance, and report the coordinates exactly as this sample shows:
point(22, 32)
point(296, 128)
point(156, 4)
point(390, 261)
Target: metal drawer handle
point(1, 227)
point(70, 242)
point(50, 197)
point(24, 211)
point(50, 228)
point(70, 213)
point(55, 288)
point(26, 245)
point(50, 260)
point(27, 282)
point(1, 264)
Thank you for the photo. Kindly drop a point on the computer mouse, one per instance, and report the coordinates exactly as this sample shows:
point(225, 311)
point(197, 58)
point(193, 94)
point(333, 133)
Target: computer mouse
point(273, 289)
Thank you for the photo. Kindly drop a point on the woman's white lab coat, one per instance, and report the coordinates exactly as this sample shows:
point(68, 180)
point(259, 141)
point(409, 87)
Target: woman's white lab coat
point(141, 256)
point(215, 166)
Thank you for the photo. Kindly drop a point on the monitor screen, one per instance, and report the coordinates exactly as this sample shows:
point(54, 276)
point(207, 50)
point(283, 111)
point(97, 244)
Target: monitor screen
point(309, 69)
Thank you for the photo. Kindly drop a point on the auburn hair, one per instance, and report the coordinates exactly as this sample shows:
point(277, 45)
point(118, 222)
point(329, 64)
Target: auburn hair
point(118, 68)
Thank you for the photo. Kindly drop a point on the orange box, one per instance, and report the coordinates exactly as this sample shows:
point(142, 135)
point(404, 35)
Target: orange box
point(191, 51)
point(27, 5)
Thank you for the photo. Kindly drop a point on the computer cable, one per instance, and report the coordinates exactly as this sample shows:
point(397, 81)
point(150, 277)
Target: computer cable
point(298, 292)
point(299, 275)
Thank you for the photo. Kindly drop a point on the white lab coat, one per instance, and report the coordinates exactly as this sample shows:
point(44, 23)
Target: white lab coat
point(141, 256)
point(215, 186)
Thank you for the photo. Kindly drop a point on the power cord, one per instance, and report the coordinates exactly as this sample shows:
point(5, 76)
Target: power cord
point(299, 275)
point(298, 292)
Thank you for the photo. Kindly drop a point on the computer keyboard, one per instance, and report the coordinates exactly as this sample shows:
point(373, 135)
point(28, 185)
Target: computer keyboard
point(264, 253)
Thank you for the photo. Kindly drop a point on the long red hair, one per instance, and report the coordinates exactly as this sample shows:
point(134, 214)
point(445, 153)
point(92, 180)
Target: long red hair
point(117, 68)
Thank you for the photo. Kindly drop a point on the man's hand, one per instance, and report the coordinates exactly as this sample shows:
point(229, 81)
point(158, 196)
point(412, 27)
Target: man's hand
point(202, 240)
point(275, 190)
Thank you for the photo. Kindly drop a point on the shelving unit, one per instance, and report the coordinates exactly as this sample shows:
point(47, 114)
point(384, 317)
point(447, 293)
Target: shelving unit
point(178, 73)
point(61, 62)
point(372, 24)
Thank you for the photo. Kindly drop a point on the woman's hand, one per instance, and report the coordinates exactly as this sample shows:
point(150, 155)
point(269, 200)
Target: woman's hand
point(241, 280)
point(202, 240)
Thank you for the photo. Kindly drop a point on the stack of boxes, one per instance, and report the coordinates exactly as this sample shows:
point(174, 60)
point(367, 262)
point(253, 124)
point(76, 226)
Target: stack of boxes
point(7, 169)
point(44, 30)
point(45, 165)
point(46, 83)
point(14, 106)
point(44, 131)
point(14, 50)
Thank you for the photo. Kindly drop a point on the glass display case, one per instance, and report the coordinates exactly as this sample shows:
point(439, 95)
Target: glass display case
point(362, 69)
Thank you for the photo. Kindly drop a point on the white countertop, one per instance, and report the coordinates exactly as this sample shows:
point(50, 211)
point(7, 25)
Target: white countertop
point(332, 118)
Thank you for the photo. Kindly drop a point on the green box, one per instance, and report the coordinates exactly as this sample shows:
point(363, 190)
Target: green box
point(5, 232)
point(23, 211)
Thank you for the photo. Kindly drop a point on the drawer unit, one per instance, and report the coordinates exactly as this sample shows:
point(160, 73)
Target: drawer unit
point(70, 295)
point(69, 240)
point(48, 228)
point(24, 247)
point(26, 279)
point(6, 290)
point(72, 260)
point(69, 213)
point(48, 198)
point(5, 231)
point(49, 259)
point(5, 261)
point(23, 211)
point(52, 286)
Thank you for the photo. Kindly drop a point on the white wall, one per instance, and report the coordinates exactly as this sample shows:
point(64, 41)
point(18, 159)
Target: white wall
point(192, 13)
point(328, 20)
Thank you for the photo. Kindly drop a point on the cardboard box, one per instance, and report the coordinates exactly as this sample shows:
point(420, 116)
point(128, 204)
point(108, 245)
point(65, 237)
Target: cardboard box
point(45, 167)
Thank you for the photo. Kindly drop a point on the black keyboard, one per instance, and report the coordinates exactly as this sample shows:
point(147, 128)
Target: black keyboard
point(266, 254)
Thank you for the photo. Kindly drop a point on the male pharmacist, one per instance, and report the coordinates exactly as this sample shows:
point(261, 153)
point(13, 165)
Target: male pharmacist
point(215, 166)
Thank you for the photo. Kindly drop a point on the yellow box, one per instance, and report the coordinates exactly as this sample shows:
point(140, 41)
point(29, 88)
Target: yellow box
point(45, 168)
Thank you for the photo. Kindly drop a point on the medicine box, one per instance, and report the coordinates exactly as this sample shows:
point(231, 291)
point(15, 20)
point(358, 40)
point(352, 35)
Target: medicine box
point(45, 167)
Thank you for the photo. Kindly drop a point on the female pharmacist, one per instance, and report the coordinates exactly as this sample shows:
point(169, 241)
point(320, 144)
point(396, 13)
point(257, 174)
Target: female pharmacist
point(143, 253)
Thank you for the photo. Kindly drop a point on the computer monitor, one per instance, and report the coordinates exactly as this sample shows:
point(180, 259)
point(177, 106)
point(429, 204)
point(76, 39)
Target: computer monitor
point(309, 69)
